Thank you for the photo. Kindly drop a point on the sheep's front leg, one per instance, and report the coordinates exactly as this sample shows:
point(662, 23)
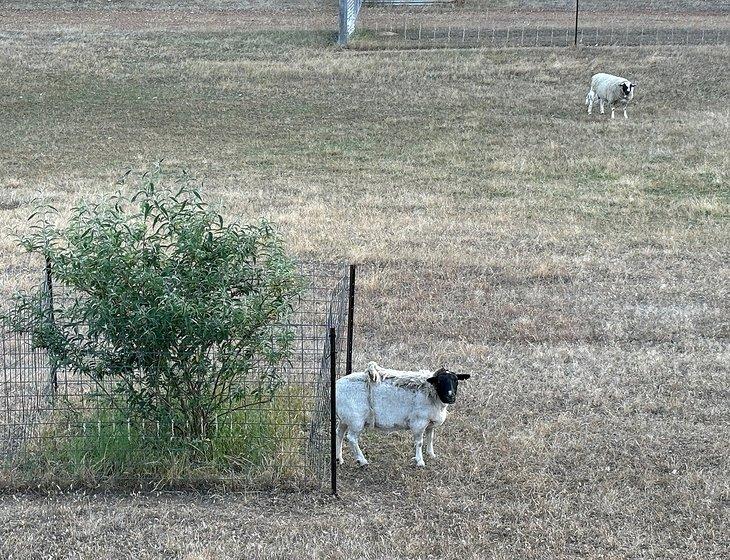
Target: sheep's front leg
point(613, 109)
point(600, 103)
point(625, 115)
point(352, 439)
point(429, 441)
point(418, 444)
point(341, 430)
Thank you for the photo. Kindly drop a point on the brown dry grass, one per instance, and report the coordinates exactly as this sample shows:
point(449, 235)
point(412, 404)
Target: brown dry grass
point(578, 267)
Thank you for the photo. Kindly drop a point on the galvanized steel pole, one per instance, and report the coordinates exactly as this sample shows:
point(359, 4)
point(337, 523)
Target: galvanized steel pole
point(342, 37)
point(575, 39)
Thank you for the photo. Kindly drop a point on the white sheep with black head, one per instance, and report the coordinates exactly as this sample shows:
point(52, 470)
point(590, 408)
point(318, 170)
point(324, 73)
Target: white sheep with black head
point(610, 89)
point(387, 399)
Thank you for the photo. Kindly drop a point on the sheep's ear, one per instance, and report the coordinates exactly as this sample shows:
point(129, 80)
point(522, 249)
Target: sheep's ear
point(462, 376)
point(432, 380)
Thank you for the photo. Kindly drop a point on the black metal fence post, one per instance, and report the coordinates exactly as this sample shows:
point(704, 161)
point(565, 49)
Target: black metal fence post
point(333, 411)
point(350, 321)
point(50, 317)
point(575, 38)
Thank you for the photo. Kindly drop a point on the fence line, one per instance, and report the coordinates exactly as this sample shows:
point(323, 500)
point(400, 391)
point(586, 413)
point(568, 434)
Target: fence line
point(422, 35)
point(545, 22)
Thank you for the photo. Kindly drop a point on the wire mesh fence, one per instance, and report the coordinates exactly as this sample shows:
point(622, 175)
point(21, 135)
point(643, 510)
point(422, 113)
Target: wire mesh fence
point(534, 23)
point(47, 411)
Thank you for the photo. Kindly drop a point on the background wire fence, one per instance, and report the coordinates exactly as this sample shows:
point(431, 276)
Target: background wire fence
point(38, 404)
point(549, 23)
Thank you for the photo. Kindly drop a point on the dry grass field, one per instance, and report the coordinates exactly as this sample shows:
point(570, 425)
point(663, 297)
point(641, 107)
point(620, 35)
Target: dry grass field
point(578, 267)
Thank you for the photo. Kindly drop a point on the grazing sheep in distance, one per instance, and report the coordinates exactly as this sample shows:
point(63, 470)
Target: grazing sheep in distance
point(388, 399)
point(612, 90)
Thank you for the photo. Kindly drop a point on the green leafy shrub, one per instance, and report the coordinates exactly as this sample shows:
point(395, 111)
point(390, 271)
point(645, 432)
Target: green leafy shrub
point(178, 317)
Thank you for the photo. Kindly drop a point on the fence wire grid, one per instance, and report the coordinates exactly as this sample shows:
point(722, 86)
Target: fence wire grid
point(39, 404)
point(540, 23)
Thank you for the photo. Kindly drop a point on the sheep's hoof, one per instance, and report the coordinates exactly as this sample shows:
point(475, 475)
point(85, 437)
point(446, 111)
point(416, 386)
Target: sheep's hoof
point(363, 463)
point(340, 461)
point(418, 463)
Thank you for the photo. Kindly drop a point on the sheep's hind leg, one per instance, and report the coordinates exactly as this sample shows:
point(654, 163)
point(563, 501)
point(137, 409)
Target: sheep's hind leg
point(352, 439)
point(600, 102)
point(429, 441)
point(341, 431)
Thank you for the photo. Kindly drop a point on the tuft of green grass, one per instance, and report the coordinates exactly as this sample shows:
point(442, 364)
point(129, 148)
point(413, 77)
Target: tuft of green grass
point(105, 448)
point(682, 185)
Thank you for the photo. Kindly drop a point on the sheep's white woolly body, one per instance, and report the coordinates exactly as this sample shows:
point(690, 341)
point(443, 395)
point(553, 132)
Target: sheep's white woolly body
point(388, 400)
point(397, 401)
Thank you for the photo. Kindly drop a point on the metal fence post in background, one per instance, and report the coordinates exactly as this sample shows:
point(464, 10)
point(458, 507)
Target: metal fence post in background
point(575, 38)
point(350, 320)
point(333, 411)
point(50, 316)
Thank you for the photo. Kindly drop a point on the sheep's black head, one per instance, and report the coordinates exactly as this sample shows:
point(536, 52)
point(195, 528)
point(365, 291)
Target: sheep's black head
point(446, 383)
point(628, 89)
